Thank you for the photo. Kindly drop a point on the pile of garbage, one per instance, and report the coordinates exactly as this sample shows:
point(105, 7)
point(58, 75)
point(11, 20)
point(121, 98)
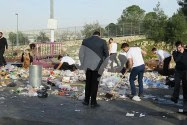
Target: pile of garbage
point(72, 84)
point(154, 80)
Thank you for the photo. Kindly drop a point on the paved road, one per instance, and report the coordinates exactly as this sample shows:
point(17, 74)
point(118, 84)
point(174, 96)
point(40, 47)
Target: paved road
point(57, 110)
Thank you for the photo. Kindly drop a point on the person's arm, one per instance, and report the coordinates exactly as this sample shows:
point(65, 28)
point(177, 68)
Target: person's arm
point(177, 56)
point(6, 44)
point(59, 66)
point(160, 55)
point(106, 52)
point(130, 63)
point(144, 53)
point(109, 46)
point(82, 54)
point(22, 58)
point(31, 58)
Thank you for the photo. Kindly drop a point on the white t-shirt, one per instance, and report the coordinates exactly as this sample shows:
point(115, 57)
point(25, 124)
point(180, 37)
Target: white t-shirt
point(113, 48)
point(162, 54)
point(135, 53)
point(68, 60)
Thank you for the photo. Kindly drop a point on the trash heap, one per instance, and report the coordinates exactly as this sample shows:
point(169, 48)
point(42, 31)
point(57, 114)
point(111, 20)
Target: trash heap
point(154, 80)
point(71, 84)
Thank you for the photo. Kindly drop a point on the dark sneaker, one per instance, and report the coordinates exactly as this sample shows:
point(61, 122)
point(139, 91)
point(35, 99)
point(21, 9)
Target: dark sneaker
point(95, 105)
point(85, 103)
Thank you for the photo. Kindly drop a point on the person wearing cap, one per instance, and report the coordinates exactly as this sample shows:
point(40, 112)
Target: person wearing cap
point(3, 46)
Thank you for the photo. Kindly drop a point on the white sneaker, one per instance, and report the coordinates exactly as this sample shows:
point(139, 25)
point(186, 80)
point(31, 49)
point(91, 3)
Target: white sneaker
point(136, 98)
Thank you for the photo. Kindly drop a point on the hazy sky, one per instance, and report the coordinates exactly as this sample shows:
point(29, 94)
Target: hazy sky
point(33, 14)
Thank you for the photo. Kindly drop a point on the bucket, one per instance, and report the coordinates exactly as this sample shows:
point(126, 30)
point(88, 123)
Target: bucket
point(35, 75)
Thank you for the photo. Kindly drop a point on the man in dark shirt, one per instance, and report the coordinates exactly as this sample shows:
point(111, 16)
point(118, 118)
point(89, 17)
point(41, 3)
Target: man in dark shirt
point(92, 54)
point(3, 45)
point(180, 58)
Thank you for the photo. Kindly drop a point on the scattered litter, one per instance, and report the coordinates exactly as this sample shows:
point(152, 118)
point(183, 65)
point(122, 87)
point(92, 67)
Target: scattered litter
point(142, 115)
point(130, 114)
point(181, 97)
point(181, 110)
point(167, 96)
point(2, 98)
point(77, 110)
point(122, 97)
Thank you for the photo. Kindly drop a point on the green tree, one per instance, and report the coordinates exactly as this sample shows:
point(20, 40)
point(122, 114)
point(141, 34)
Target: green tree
point(149, 24)
point(176, 27)
point(23, 39)
point(133, 17)
point(132, 14)
point(42, 37)
point(12, 38)
point(155, 24)
point(111, 30)
point(183, 4)
point(89, 29)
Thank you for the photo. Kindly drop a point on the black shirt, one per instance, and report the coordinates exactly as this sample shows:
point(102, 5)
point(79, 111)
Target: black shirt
point(180, 60)
point(3, 43)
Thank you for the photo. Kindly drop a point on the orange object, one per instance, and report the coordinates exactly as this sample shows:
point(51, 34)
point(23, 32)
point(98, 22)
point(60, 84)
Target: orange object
point(52, 73)
point(61, 93)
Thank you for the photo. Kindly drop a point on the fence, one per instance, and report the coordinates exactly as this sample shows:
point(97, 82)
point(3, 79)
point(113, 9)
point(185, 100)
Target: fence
point(75, 33)
point(44, 50)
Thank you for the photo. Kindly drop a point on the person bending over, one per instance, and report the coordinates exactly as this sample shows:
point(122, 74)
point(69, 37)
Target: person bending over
point(66, 63)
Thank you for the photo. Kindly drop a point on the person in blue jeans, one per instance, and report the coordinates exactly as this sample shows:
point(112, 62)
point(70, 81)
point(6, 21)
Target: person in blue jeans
point(136, 63)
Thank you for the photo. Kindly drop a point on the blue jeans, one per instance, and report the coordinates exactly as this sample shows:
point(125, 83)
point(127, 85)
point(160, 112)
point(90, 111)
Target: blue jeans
point(137, 71)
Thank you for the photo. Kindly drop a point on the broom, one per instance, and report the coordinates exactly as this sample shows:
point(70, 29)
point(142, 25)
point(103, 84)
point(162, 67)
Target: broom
point(110, 95)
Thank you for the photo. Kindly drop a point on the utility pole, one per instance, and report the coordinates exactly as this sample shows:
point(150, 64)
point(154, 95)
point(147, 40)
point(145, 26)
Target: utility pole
point(17, 36)
point(52, 23)
point(52, 17)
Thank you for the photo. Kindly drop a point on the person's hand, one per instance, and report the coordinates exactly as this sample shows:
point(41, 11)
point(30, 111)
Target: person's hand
point(181, 50)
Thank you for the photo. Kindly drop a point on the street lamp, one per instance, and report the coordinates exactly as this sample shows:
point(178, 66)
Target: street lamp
point(17, 37)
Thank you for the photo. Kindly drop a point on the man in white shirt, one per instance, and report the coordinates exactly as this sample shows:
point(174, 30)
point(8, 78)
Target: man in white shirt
point(66, 63)
point(136, 63)
point(164, 59)
point(113, 52)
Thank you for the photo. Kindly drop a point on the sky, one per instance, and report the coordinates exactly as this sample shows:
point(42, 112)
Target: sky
point(33, 14)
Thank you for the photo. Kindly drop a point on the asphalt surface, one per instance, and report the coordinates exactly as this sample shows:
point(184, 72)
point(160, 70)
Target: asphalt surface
point(59, 110)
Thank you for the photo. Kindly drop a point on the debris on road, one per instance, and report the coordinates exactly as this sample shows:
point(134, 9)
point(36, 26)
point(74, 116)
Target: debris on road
point(72, 84)
point(130, 114)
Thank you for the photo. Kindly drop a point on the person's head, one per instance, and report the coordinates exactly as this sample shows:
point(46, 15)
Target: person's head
point(110, 40)
point(26, 52)
point(125, 47)
point(59, 57)
point(96, 33)
point(154, 50)
point(179, 46)
point(1, 34)
point(32, 46)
